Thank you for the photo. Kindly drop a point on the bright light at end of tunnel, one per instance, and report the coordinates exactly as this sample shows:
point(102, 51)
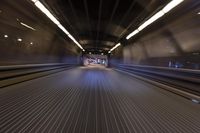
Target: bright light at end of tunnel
point(42, 8)
point(155, 17)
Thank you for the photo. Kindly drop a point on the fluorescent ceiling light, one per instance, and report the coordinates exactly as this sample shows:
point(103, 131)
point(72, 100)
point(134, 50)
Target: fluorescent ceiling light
point(132, 34)
point(72, 38)
point(117, 45)
point(63, 29)
point(6, 36)
point(54, 20)
point(155, 17)
point(46, 12)
point(171, 5)
point(34, 1)
point(151, 20)
point(19, 39)
point(27, 26)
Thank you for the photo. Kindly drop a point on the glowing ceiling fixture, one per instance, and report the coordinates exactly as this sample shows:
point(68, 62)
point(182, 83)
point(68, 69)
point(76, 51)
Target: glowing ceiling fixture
point(171, 5)
point(34, 1)
point(199, 13)
point(46, 12)
point(132, 34)
point(19, 39)
point(27, 26)
point(39, 5)
point(63, 29)
point(155, 17)
point(6, 36)
point(151, 20)
point(117, 45)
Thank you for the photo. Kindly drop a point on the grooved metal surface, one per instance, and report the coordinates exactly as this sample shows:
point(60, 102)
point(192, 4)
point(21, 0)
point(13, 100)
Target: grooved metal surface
point(94, 100)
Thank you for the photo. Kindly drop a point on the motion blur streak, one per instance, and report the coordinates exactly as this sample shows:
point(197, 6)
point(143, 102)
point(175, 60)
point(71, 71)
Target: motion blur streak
point(94, 100)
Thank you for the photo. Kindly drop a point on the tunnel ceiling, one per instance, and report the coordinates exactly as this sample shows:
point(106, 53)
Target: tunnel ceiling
point(99, 24)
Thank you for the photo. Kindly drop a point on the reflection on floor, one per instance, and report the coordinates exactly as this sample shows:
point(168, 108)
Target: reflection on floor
point(94, 100)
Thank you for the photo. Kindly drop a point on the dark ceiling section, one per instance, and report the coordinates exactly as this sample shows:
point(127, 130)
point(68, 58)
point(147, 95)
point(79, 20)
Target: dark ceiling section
point(100, 22)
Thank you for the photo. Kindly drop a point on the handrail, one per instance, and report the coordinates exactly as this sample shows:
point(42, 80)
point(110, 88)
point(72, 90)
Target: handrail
point(188, 75)
point(163, 68)
point(10, 75)
point(13, 67)
point(187, 80)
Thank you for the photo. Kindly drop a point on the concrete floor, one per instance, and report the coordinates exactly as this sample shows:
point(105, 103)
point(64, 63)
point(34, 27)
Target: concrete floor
point(94, 100)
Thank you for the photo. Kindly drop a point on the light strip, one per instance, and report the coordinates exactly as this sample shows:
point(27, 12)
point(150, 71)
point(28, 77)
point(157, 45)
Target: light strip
point(27, 26)
point(39, 5)
point(117, 45)
point(46, 12)
point(155, 17)
point(151, 20)
point(132, 34)
point(19, 40)
point(171, 5)
point(72, 38)
point(63, 29)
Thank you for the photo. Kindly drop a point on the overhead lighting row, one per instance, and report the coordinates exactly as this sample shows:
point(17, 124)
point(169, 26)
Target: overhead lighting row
point(18, 39)
point(155, 17)
point(117, 45)
point(39, 5)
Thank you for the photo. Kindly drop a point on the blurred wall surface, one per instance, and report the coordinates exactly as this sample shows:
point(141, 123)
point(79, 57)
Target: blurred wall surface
point(27, 36)
point(173, 41)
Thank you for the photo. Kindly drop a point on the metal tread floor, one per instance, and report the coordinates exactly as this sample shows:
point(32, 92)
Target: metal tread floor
point(94, 100)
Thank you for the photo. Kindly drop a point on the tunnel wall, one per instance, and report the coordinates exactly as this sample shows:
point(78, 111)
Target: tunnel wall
point(45, 44)
point(173, 42)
